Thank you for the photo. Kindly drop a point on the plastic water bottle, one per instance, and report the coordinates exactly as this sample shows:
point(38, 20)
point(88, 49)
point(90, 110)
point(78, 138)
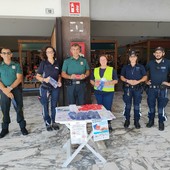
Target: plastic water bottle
point(53, 82)
point(101, 85)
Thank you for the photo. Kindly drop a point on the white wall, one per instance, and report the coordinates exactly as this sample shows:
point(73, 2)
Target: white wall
point(130, 10)
point(30, 8)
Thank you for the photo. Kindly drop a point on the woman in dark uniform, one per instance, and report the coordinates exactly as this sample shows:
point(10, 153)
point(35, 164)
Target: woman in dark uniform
point(132, 75)
point(49, 68)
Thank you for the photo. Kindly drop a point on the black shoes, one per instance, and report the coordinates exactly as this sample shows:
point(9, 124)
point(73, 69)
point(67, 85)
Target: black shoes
point(150, 123)
point(161, 126)
point(49, 128)
point(24, 131)
point(126, 124)
point(55, 126)
point(137, 125)
point(3, 133)
point(110, 129)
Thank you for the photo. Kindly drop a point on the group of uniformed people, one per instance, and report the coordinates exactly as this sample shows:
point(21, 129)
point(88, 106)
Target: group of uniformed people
point(75, 70)
point(134, 75)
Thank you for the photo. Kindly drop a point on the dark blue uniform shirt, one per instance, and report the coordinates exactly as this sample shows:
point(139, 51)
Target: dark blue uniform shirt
point(133, 73)
point(47, 69)
point(158, 72)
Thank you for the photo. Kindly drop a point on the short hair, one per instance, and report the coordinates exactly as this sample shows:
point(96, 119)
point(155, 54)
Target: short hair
point(76, 45)
point(6, 48)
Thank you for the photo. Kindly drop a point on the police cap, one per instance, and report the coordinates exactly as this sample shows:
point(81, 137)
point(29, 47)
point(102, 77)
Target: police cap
point(159, 49)
point(132, 53)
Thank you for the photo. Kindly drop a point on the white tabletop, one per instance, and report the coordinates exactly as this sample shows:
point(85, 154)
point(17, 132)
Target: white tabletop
point(62, 116)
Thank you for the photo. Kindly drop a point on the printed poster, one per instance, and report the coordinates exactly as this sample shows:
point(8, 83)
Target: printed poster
point(78, 132)
point(100, 130)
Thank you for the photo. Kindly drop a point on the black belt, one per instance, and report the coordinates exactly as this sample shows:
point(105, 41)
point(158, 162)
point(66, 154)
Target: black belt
point(71, 82)
point(130, 86)
point(157, 86)
point(77, 81)
point(44, 86)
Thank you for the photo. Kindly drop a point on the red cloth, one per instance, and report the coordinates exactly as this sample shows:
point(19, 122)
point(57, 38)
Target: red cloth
point(87, 107)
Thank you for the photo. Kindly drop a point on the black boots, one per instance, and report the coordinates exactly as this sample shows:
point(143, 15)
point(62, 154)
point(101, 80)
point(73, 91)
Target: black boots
point(24, 131)
point(137, 125)
point(161, 126)
point(126, 124)
point(150, 123)
point(3, 133)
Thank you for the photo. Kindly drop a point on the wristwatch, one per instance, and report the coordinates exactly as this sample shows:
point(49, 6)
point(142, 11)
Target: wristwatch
point(9, 87)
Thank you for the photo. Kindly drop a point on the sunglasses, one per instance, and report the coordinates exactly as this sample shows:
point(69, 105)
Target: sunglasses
point(4, 53)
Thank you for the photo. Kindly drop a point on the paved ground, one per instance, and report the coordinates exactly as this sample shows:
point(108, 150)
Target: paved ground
point(132, 149)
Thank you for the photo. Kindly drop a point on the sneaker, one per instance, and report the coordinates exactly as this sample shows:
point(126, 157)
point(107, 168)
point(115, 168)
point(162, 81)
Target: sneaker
point(3, 133)
point(126, 124)
point(49, 128)
point(55, 126)
point(24, 131)
point(161, 126)
point(137, 125)
point(150, 123)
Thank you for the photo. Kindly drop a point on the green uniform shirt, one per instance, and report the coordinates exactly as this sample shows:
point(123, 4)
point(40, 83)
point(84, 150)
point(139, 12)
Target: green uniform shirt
point(8, 73)
point(73, 66)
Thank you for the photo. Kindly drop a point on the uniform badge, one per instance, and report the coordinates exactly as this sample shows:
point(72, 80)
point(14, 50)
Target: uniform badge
point(13, 67)
point(81, 63)
point(56, 67)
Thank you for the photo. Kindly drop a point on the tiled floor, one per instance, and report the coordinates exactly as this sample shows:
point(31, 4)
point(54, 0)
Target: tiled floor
point(132, 149)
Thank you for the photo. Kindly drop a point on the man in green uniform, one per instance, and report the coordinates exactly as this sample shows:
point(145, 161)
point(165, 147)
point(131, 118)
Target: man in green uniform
point(75, 70)
point(11, 90)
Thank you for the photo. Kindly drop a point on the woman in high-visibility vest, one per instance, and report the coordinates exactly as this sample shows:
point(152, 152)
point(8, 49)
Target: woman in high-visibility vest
point(103, 79)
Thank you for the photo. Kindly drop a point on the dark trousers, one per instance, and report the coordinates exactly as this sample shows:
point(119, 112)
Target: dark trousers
point(76, 93)
point(5, 107)
point(161, 97)
point(132, 95)
point(105, 99)
point(45, 94)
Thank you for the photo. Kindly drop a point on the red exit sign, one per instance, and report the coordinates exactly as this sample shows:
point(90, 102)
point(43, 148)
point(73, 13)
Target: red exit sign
point(74, 7)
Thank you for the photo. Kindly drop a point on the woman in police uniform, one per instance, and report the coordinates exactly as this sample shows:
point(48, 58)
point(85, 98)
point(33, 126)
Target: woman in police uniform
point(108, 76)
point(49, 68)
point(132, 75)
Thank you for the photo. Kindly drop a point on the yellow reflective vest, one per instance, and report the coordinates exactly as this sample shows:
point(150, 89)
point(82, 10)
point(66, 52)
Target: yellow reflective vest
point(107, 75)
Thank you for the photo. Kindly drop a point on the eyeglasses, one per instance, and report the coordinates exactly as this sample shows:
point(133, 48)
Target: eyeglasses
point(49, 52)
point(4, 53)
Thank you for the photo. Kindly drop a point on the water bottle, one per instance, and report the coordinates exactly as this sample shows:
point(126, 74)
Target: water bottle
point(53, 82)
point(101, 85)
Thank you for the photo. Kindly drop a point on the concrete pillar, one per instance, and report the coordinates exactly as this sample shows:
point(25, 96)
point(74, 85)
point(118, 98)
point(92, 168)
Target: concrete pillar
point(76, 28)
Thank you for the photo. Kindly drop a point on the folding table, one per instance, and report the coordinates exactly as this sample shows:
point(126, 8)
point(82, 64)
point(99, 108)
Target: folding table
point(62, 117)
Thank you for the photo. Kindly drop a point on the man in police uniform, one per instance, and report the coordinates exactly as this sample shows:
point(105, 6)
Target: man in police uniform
point(75, 70)
point(133, 75)
point(159, 70)
point(11, 89)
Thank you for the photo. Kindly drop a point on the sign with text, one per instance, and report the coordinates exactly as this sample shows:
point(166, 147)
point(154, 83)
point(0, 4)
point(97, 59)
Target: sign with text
point(100, 130)
point(74, 8)
point(78, 132)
